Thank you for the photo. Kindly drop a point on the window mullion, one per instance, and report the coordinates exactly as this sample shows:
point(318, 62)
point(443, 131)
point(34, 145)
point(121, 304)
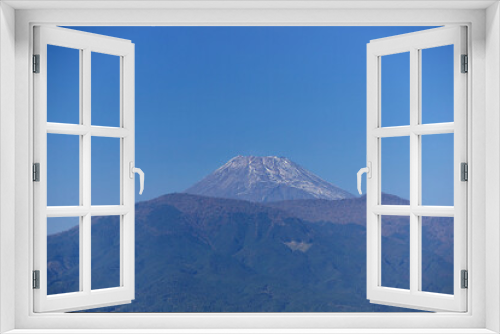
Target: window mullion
point(414, 170)
point(85, 166)
point(434, 129)
point(81, 218)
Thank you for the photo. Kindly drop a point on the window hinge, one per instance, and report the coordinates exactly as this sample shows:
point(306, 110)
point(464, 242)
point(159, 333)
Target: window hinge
point(465, 279)
point(36, 63)
point(36, 279)
point(464, 170)
point(465, 64)
point(36, 172)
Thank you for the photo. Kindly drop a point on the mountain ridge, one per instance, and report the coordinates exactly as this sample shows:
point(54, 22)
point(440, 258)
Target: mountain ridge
point(205, 254)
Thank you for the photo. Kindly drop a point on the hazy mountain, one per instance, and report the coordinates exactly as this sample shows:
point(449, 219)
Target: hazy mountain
point(265, 179)
point(205, 254)
point(347, 211)
point(437, 231)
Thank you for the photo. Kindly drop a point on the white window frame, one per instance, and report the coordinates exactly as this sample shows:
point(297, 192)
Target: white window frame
point(414, 43)
point(86, 44)
point(482, 19)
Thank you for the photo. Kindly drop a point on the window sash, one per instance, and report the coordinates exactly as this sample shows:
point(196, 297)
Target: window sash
point(413, 43)
point(86, 297)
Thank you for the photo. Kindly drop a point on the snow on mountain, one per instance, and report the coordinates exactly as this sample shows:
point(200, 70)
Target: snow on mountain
point(265, 179)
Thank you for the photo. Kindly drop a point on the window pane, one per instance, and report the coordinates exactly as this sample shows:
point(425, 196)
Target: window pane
point(437, 254)
point(437, 84)
point(437, 169)
point(105, 90)
point(63, 170)
point(63, 255)
point(395, 170)
point(105, 252)
point(105, 171)
point(395, 251)
point(395, 90)
point(63, 85)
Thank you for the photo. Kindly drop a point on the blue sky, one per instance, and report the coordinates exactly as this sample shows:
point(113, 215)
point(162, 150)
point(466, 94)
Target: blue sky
point(207, 94)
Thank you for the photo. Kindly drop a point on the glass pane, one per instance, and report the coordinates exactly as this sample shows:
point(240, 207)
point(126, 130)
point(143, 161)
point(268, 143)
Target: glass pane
point(437, 169)
point(105, 90)
point(395, 251)
point(63, 255)
point(395, 90)
point(437, 84)
point(63, 170)
point(63, 85)
point(105, 171)
point(437, 254)
point(105, 252)
point(395, 169)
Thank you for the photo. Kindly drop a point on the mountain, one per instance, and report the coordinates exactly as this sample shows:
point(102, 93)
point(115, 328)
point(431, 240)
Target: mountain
point(437, 231)
point(347, 211)
point(206, 254)
point(265, 179)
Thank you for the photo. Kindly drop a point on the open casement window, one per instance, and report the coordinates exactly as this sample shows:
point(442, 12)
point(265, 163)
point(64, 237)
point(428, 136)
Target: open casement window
point(79, 132)
point(418, 127)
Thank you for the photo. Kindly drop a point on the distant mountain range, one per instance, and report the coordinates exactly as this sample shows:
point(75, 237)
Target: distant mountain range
point(205, 254)
point(210, 254)
point(265, 179)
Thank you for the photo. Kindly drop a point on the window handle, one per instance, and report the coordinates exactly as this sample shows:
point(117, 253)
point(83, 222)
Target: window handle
point(139, 171)
point(368, 171)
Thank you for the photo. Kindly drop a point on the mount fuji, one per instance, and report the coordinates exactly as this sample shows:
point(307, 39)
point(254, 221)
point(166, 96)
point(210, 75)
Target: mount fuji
point(265, 179)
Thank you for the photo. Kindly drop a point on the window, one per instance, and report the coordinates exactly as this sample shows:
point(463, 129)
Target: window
point(309, 265)
point(424, 137)
point(481, 221)
point(68, 118)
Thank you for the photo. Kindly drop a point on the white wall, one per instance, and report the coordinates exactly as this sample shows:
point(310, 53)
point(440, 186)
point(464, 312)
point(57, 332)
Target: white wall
point(7, 164)
point(492, 166)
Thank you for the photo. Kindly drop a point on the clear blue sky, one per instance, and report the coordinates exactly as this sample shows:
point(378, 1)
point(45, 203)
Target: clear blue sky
point(207, 94)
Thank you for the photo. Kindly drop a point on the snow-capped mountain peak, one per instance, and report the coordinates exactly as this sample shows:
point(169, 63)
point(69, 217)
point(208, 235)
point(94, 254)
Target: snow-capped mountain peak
point(265, 179)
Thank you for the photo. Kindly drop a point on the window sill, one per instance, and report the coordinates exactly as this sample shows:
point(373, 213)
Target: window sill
point(251, 331)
